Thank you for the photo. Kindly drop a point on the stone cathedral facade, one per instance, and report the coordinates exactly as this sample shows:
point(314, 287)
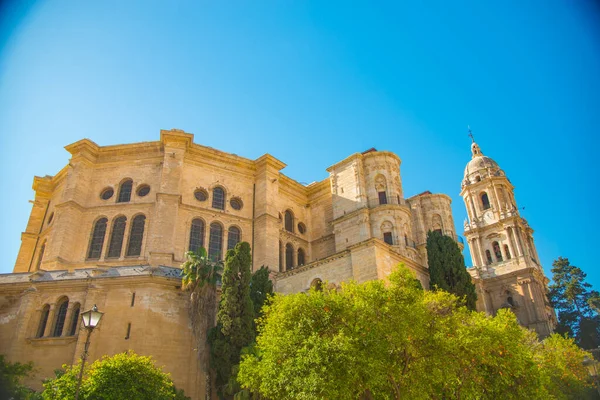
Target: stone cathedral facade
point(112, 227)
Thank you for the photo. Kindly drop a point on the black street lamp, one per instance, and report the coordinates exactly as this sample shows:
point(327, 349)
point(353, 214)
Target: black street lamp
point(90, 319)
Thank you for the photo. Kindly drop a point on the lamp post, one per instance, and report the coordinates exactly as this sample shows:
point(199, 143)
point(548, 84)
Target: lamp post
point(90, 319)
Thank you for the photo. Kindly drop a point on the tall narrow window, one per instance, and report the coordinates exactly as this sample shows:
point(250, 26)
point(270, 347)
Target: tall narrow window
point(485, 201)
point(74, 319)
point(196, 235)
point(59, 321)
point(116, 238)
point(218, 200)
point(382, 197)
point(497, 252)
point(215, 243)
point(289, 221)
point(40, 256)
point(97, 239)
point(233, 237)
point(488, 256)
point(280, 256)
point(507, 251)
point(387, 237)
point(43, 321)
point(289, 257)
point(125, 191)
point(301, 260)
point(134, 248)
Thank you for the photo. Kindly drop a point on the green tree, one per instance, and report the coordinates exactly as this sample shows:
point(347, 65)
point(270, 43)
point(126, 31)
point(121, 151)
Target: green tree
point(122, 376)
point(235, 317)
point(200, 276)
point(447, 269)
point(11, 376)
point(575, 302)
point(374, 341)
point(564, 375)
point(261, 288)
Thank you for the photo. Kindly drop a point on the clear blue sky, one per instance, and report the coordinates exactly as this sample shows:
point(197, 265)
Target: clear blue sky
point(312, 82)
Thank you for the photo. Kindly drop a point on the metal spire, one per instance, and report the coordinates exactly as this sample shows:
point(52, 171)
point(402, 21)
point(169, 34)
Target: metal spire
point(471, 134)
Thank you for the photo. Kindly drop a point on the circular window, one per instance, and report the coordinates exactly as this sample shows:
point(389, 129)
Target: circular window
point(50, 218)
point(236, 203)
point(143, 190)
point(107, 193)
point(201, 195)
point(301, 228)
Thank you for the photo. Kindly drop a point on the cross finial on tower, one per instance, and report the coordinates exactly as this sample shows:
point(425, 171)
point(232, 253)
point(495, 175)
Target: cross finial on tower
point(471, 134)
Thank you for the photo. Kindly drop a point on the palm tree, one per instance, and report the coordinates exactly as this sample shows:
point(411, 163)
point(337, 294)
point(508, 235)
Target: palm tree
point(200, 277)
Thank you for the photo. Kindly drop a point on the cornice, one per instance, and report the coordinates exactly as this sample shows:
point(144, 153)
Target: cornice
point(176, 138)
point(267, 160)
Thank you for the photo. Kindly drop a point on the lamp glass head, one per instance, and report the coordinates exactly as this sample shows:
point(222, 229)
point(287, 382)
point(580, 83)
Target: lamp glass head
point(91, 318)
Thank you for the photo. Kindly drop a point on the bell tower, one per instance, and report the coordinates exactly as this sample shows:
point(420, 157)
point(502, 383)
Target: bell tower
point(506, 267)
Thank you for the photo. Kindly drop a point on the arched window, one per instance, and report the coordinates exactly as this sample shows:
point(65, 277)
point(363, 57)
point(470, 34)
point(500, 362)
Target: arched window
point(196, 235)
point(116, 238)
point(436, 223)
point(218, 200)
point(507, 251)
point(40, 256)
point(488, 257)
point(485, 201)
point(388, 238)
point(43, 321)
point(301, 258)
point(387, 229)
point(97, 239)
point(289, 257)
point(280, 256)
point(125, 191)
point(134, 248)
point(215, 242)
point(233, 237)
point(381, 186)
point(61, 314)
point(289, 221)
point(497, 253)
point(74, 319)
point(510, 301)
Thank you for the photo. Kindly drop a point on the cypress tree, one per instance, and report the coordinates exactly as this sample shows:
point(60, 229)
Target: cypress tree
point(261, 287)
point(235, 317)
point(447, 269)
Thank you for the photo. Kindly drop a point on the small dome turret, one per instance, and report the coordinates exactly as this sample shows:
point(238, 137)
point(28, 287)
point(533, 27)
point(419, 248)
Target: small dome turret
point(480, 166)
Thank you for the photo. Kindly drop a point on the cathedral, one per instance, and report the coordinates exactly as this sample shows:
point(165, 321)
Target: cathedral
point(112, 227)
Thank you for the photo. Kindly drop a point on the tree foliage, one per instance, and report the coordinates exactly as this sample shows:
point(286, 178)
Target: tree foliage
point(576, 304)
point(447, 270)
point(235, 317)
point(122, 376)
point(374, 341)
point(261, 288)
point(11, 376)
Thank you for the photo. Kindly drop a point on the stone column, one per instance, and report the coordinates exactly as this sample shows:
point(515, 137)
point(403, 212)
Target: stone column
point(161, 245)
point(266, 214)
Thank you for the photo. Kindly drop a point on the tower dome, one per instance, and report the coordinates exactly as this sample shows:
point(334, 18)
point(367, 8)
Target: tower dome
point(480, 166)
